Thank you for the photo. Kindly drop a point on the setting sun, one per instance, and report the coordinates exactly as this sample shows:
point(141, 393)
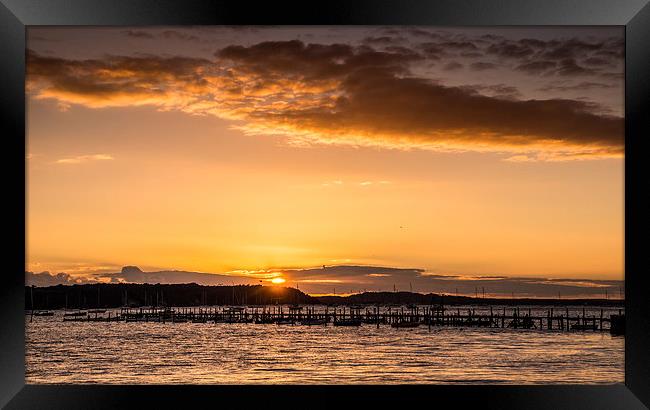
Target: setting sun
point(278, 281)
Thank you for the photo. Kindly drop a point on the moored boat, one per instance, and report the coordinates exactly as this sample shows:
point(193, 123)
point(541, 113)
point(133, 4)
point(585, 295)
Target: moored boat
point(313, 322)
point(284, 322)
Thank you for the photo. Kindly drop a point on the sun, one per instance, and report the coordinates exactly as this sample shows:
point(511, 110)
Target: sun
point(278, 281)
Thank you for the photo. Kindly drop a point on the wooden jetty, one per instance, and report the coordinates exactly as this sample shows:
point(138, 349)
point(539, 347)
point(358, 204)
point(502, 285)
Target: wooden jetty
point(396, 317)
point(42, 313)
point(75, 314)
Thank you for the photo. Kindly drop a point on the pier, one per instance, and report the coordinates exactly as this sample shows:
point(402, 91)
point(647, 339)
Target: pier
point(396, 317)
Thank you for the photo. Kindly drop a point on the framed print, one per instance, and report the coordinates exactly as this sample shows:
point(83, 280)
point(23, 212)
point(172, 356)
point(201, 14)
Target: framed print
point(352, 202)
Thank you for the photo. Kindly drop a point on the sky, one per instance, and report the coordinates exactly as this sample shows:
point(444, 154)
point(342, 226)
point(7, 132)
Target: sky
point(262, 152)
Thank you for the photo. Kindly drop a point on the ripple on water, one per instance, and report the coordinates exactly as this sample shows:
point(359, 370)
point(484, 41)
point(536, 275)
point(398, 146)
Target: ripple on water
point(188, 353)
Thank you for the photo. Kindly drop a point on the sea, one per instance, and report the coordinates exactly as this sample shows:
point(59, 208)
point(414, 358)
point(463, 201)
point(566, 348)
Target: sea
point(59, 352)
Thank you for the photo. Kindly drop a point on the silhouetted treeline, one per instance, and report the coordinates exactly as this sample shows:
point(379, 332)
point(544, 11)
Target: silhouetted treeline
point(136, 295)
point(117, 295)
point(373, 298)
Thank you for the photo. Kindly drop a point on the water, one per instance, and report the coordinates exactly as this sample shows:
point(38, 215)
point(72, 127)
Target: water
point(206, 353)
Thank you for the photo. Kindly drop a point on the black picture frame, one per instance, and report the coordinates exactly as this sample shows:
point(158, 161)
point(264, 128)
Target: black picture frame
point(16, 15)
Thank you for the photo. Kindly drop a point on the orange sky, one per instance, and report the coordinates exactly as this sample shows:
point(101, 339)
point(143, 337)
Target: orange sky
point(213, 151)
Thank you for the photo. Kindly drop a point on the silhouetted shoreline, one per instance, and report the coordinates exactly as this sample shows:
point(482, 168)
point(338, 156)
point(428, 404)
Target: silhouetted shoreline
point(137, 295)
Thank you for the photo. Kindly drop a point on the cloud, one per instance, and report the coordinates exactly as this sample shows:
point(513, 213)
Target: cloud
point(559, 156)
point(495, 90)
point(380, 105)
point(536, 67)
point(520, 158)
point(458, 45)
point(137, 34)
point(574, 48)
point(370, 183)
point(354, 278)
point(453, 66)
point(597, 61)
point(377, 278)
point(582, 86)
point(167, 35)
point(527, 55)
point(382, 40)
point(538, 53)
point(569, 68)
point(84, 158)
point(177, 35)
point(336, 94)
point(512, 49)
point(47, 279)
point(482, 66)
point(117, 81)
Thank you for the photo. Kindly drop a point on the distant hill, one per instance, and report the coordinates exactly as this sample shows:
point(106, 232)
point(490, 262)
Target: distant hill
point(132, 294)
point(373, 298)
point(116, 295)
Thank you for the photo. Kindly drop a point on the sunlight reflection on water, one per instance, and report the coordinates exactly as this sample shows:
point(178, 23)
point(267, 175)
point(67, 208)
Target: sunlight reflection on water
point(195, 353)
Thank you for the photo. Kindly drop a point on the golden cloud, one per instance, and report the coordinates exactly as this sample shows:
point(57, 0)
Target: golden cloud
point(334, 94)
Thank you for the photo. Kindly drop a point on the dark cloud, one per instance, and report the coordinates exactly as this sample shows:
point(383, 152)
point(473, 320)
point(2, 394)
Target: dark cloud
point(424, 33)
point(167, 277)
point(496, 90)
point(573, 56)
point(612, 54)
point(569, 68)
point(511, 49)
point(597, 61)
point(585, 85)
point(482, 66)
point(491, 37)
point(400, 50)
point(312, 61)
point(177, 35)
point(570, 49)
point(458, 45)
point(335, 89)
point(137, 34)
point(375, 99)
point(49, 279)
point(534, 56)
point(439, 49)
point(382, 40)
point(113, 76)
point(613, 76)
point(432, 51)
point(452, 66)
point(533, 43)
point(167, 35)
point(536, 67)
